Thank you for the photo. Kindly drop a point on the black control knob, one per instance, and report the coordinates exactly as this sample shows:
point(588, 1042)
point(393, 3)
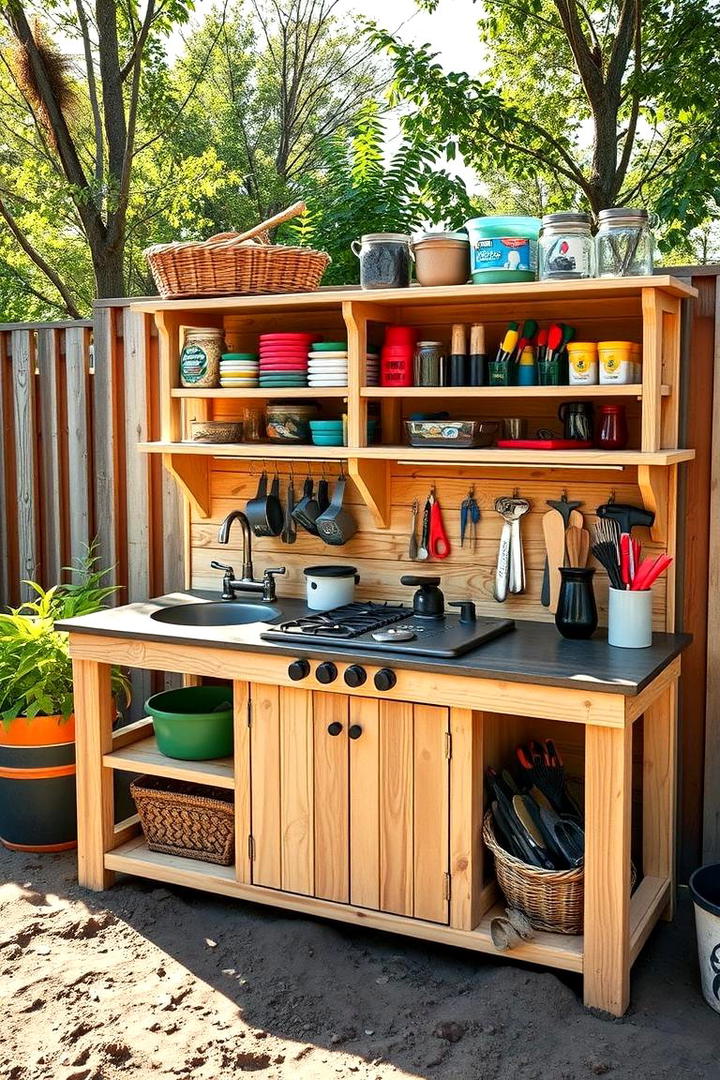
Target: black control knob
point(355, 675)
point(385, 679)
point(467, 610)
point(335, 728)
point(299, 669)
point(326, 672)
point(355, 731)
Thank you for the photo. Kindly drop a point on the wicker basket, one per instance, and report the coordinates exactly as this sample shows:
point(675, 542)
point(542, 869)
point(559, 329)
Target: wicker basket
point(191, 820)
point(551, 899)
point(237, 264)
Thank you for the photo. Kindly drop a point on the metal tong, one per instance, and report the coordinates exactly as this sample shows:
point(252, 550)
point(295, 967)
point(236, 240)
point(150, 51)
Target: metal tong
point(510, 571)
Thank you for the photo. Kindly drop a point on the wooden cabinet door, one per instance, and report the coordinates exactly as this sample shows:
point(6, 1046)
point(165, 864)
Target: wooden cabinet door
point(282, 788)
point(399, 808)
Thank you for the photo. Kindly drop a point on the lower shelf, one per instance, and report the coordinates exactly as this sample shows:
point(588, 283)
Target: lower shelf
point(134, 857)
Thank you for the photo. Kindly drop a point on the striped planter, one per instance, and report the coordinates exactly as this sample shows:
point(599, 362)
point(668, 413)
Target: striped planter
point(37, 784)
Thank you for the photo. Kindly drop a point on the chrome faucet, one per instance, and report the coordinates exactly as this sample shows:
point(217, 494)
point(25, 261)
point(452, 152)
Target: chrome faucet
point(247, 582)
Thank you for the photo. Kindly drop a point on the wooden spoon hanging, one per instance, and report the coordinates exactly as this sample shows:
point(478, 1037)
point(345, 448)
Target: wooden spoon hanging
point(554, 533)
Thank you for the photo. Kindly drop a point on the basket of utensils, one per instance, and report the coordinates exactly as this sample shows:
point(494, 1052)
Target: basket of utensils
point(534, 828)
point(191, 820)
point(237, 264)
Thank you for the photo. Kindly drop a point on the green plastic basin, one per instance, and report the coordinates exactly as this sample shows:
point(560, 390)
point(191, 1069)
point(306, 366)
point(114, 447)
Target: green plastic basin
point(191, 723)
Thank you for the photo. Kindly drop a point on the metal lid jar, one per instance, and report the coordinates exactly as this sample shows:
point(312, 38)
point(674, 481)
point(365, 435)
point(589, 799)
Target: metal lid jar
point(384, 260)
point(442, 258)
point(567, 249)
point(200, 357)
point(624, 243)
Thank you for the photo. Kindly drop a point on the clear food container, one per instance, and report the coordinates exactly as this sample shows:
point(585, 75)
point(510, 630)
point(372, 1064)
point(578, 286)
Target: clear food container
point(385, 260)
point(463, 434)
point(567, 248)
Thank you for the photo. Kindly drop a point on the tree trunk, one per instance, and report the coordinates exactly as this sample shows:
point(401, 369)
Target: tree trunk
point(109, 273)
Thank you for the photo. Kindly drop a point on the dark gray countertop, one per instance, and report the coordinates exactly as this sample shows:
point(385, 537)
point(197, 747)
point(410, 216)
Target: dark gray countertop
point(533, 652)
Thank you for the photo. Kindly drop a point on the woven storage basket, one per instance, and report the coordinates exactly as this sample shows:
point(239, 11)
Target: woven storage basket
point(236, 264)
point(191, 820)
point(551, 899)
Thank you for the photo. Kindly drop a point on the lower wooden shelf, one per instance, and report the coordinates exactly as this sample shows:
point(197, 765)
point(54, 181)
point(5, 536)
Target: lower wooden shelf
point(552, 950)
point(144, 756)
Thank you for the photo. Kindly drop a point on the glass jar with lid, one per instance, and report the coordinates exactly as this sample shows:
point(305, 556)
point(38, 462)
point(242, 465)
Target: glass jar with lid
point(384, 260)
point(200, 357)
point(567, 248)
point(624, 243)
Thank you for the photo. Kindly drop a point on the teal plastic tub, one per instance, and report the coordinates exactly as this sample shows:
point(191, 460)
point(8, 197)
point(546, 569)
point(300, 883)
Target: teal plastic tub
point(194, 723)
point(503, 249)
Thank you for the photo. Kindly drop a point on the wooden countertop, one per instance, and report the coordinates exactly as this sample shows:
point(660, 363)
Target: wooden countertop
point(532, 653)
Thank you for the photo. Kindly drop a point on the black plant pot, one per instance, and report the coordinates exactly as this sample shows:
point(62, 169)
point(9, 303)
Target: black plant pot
point(576, 615)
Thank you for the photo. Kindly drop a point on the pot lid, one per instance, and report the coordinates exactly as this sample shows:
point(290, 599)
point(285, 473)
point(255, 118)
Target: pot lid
point(396, 237)
point(438, 237)
point(330, 571)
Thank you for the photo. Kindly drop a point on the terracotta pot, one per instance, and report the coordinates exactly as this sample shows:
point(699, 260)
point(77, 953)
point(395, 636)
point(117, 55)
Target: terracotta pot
point(37, 784)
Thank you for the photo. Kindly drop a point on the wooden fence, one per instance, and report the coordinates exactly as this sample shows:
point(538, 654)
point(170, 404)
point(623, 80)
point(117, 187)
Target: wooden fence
point(76, 397)
point(74, 400)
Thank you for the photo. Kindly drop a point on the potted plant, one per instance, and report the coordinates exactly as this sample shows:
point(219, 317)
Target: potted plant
point(37, 725)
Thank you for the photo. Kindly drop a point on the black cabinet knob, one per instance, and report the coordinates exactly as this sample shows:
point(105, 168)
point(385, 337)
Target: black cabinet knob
point(326, 672)
point(355, 731)
point(385, 679)
point(355, 675)
point(335, 728)
point(299, 669)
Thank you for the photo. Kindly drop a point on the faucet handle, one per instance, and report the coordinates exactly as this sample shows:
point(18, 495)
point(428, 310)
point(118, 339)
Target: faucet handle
point(222, 566)
point(269, 581)
point(275, 570)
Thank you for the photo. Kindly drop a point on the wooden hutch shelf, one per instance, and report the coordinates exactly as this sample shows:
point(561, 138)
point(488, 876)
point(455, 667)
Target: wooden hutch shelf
point(630, 390)
point(144, 756)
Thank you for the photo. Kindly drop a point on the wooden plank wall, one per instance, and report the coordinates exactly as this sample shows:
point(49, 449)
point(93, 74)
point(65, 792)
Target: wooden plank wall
point(74, 399)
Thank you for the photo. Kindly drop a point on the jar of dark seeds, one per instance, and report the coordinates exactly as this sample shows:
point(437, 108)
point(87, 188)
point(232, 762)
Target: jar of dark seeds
point(384, 260)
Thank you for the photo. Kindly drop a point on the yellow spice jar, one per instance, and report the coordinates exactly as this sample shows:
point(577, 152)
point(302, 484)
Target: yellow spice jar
point(200, 357)
point(616, 362)
point(582, 362)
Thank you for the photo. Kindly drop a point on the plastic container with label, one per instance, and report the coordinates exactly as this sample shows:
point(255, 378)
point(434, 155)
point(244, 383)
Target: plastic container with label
point(616, 362)
point(200, 357)
point(567, 247)
point(503, 249)
point(582, 362)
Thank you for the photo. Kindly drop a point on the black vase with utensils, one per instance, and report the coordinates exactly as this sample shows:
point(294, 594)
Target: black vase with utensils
point(577, 419)
point(576, 616)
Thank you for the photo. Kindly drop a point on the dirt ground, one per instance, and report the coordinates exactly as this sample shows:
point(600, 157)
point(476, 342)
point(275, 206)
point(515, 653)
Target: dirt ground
point(165, 982)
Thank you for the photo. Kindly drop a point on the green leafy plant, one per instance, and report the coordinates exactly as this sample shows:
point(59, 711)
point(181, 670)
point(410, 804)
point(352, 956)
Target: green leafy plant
point(35, 665)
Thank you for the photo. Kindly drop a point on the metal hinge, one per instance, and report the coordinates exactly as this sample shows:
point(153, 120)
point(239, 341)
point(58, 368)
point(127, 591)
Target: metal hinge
point(249, 713)
point(448, 745)
point(447, 886)
point(251, 848)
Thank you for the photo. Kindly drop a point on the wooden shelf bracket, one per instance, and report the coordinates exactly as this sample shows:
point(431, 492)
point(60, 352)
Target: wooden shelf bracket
point(372, 479)
point(192, 472)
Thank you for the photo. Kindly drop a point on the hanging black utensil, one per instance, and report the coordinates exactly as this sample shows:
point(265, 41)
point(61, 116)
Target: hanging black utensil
point(336, 525)
point(307, 509)
point(323, 495)
point(289, 533)
point(265, 512)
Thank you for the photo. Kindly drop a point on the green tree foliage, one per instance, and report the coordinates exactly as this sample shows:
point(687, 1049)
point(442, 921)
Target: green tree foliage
point(596, 104)
point(359, 190)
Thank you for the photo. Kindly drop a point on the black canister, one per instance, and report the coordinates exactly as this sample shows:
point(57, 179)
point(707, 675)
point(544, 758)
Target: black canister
point(576, 615)
point(577, 418)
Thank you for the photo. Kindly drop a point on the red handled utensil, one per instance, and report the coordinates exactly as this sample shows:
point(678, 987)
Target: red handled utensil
point(439, 545)
point(649, 571)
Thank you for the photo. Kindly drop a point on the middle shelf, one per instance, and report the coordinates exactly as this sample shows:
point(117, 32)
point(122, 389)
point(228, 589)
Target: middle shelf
point(144, 756)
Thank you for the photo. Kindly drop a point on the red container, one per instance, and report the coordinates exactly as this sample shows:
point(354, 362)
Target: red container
point(396, 367)
point(612, 427)
point(404, 336)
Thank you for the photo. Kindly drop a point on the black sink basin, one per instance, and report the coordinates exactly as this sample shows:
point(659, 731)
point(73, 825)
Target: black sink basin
point(221, 613)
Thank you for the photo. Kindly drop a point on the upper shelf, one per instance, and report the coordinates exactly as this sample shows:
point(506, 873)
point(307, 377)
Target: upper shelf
point(333, 298)
point(430, 456)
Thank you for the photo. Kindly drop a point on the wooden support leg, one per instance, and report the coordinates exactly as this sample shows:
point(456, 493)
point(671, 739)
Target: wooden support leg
point(659, 790)
point(470, 895)
point(95, 803)
point(608, 791)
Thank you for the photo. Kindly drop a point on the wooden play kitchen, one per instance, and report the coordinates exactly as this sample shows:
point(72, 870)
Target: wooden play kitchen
point(358, 772)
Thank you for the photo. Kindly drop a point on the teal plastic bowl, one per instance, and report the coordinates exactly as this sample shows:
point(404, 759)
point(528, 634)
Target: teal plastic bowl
point(194, 723)
point(326, 425)
point(327, 440)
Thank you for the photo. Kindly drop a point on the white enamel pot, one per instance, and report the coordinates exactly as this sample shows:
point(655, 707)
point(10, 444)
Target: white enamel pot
point(330, 586)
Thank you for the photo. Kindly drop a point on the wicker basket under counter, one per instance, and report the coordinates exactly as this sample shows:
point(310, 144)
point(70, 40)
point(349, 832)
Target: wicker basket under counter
point(191, 820)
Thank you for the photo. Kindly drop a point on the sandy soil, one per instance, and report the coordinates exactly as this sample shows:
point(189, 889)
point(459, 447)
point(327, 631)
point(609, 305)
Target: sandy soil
point(162, 982)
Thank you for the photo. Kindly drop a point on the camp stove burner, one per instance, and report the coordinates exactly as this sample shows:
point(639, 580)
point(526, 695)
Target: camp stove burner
point(347, 621)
